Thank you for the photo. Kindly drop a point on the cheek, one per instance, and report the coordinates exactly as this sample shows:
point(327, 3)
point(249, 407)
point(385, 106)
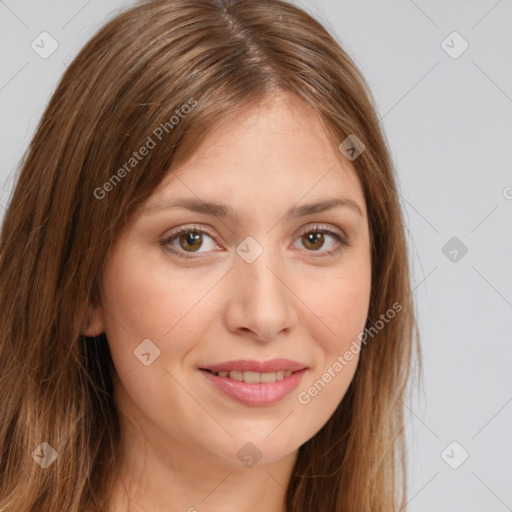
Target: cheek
point(340, 304)
point(144, 300)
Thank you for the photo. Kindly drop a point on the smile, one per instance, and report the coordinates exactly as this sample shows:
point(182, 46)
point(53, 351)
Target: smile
point(254, 383)
point(254, 377)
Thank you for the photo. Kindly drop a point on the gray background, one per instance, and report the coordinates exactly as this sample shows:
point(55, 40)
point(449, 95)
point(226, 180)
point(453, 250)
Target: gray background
point(448, 121)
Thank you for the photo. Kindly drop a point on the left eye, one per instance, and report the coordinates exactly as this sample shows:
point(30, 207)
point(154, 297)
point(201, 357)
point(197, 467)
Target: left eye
point(191, 238)
point(315, 239)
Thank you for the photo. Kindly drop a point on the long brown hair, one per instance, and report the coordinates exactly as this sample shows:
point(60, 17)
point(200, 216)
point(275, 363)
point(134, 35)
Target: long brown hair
point(65, 213)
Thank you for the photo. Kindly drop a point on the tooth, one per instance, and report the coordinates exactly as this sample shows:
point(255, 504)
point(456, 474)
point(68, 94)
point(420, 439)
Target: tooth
point(251, 377)
point(254, 377)
point(236, 375)
point(268, 377)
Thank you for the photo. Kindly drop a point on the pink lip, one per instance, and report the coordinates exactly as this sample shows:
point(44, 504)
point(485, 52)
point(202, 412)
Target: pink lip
point(272, 365)
point(256, 394)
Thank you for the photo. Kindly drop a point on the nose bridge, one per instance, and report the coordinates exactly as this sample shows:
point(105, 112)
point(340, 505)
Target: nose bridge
point(257, 268)
point(260, 279)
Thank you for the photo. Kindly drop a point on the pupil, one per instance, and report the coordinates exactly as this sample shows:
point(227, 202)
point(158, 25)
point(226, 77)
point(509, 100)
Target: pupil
point(193, 237)
point(311, 239)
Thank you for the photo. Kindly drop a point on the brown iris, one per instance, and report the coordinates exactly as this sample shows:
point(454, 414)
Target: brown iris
point(313, 238)
point(192, 239)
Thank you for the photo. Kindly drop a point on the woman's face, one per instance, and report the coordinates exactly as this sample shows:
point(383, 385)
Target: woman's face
point(247, 282)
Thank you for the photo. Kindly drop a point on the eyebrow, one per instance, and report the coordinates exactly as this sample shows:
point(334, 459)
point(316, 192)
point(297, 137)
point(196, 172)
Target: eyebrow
point(223, 210)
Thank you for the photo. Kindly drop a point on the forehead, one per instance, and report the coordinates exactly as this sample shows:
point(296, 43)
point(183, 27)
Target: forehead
point(277, 151)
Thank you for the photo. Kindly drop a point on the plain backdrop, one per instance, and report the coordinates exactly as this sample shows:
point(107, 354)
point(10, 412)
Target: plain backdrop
point(441, 74)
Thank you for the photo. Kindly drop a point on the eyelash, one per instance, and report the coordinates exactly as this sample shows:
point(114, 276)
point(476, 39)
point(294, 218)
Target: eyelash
point(318, 229)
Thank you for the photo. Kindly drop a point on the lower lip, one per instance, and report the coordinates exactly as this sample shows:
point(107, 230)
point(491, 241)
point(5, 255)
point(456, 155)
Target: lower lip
point(256, 393)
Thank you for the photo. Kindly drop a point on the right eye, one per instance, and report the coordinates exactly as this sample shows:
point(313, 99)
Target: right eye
point(186, 239)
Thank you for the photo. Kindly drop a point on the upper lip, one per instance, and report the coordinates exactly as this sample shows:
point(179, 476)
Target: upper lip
point(272, 365)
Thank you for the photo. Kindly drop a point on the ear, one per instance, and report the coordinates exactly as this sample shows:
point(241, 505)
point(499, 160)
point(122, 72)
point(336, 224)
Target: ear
point(95, 324)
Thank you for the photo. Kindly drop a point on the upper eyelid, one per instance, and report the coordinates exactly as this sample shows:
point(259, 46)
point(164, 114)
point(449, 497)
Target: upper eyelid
point(308, 227)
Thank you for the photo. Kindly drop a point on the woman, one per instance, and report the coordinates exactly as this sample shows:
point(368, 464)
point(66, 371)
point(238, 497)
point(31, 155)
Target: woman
point(206, 300)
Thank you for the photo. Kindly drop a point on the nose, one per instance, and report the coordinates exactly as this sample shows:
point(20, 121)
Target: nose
point(261, 302)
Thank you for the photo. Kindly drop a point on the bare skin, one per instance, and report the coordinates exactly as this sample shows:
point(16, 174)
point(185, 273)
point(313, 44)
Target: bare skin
point(181, 435)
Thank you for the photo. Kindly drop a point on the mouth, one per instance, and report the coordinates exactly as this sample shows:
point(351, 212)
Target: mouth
point(250, 377)
point(255, 383)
